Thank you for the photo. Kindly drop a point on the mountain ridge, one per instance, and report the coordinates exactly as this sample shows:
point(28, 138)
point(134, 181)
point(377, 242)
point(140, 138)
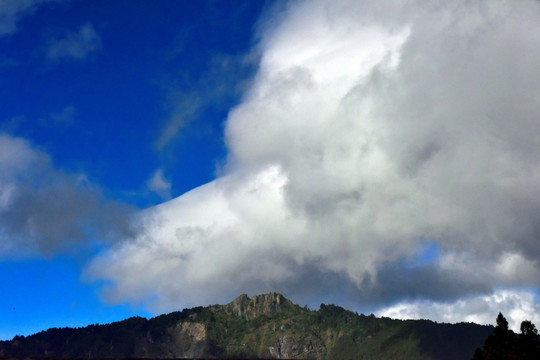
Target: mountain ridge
point(263, 326)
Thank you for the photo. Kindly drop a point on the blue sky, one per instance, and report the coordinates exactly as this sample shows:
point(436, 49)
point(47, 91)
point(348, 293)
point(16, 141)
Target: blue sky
point(156, 155)
point(102, 102)
point(95, 85)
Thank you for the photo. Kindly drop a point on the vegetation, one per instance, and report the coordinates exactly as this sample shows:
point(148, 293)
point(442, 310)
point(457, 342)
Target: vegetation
point(265, 326)
point(504, 344)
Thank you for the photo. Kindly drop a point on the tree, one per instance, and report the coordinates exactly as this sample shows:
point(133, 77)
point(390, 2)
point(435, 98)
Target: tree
point(503, 344)
point(528, 330)
point(528, 342)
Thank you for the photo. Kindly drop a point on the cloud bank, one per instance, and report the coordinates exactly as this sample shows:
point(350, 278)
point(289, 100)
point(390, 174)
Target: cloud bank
point(372, 131)
point(44, 210)
point(516, 305)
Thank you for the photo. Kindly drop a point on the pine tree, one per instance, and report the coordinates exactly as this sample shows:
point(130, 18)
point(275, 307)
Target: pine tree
point(503, 344)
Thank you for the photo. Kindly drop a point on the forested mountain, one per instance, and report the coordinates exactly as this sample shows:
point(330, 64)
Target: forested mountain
point(264, 326)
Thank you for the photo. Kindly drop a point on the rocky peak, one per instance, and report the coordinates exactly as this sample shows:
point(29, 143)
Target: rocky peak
point(266, 304)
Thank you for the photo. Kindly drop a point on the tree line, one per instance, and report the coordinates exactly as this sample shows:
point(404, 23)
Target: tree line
point(505, 344)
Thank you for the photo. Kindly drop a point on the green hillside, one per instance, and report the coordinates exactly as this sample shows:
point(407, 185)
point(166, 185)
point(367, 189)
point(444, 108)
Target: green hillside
point(264, 326)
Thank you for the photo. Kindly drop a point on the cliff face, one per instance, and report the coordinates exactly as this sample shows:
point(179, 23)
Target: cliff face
point(251, 308)
point(186, 339)
point(264, 326)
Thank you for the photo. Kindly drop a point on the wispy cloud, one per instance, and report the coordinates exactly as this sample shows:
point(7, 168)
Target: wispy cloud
point(75, 45)
point(185, 111)
point(159, 184)
point(11, 11)
point(367, 130)
point(65, 116)
point(227, 77)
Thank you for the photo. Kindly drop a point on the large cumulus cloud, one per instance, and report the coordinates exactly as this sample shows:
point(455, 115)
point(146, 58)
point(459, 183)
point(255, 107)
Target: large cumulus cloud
point(371, 131)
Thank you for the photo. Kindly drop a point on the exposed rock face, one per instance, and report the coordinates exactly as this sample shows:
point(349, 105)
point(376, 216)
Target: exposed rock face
point(288, 348)
point(251, 308)
point(195, 331)
point(188, 339)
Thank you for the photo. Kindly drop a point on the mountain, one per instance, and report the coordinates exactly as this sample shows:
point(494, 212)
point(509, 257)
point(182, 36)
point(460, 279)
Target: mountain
point(264, 326)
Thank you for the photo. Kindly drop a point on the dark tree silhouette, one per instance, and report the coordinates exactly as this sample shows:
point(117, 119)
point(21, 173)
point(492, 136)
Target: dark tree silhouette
point(528, 342)
point(504, 344)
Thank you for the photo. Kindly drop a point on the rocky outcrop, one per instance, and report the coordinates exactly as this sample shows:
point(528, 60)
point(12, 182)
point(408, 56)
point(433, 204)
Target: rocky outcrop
point(187, 339)
point(286, 347)
point(250, 308)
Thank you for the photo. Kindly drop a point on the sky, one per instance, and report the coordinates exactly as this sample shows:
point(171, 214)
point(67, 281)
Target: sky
point(379, 155)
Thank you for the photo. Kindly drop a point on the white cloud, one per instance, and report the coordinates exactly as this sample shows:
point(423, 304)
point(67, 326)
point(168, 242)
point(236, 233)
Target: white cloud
point(516, 306)
point(197, 240)
point(75, 45)
point(369, 128)
point(159, 184)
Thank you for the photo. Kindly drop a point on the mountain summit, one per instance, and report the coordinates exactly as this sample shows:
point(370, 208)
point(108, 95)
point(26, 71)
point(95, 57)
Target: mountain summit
point(263, 326)
point(261, 305)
